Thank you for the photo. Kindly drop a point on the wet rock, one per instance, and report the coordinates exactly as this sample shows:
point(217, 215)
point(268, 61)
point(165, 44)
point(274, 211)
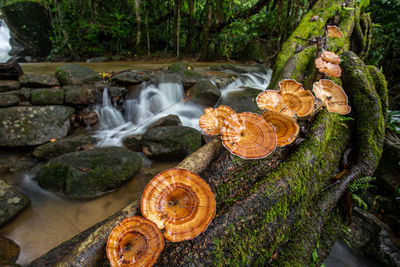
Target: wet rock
point(9, 251)
point(241, 101)
point(23, 93)
point(10, 70)
point(11, 202)
point(8, 85)
point(47, 96)
point(170, 120)
point(22, 163)
point(8, 100)
point(117, 93)
point(73, 74)
point(36, 80)
point(89, 173)
point(130, 77)
point(64, 146)
point(89, 118)
point(77, 95)
point(204, 93)
point(25, 126)
point(186, 73)
point(170, 142)
point(132, 143)
point(374, 237)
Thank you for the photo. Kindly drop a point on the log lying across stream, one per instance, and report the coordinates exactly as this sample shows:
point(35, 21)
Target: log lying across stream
point(281, 209)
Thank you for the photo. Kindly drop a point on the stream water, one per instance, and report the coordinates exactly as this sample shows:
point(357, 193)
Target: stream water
point(51, 219)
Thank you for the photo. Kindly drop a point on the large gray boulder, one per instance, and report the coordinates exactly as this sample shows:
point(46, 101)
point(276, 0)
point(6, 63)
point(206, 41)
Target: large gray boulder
point(89, 173)
point(205, 93)
point(73, 74)
point(9, 85)
point(131, 77)
point(8, 100)
point(37, 80)
point(26, 126)
point(170, 142)
point(47, 96)
point(11, 202)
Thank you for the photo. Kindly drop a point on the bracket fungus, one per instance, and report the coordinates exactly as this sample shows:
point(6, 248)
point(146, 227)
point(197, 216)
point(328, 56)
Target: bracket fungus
point(271, 100)
point(334, 31)
point(332, 96)
point(212, 120)
point(248, 136)
point(286, 127)
point(296, 98)
point(135, 241)
point(180, 202)
point(330, 57)
point(330, 69)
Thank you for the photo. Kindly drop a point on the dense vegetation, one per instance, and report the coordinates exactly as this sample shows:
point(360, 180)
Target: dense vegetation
point(202, 28)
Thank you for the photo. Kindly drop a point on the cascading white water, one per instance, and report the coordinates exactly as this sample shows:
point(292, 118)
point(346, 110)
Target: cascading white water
point(155, 102)
point(5, 46)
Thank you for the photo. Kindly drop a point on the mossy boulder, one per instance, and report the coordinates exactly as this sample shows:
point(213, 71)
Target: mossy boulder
point(64, 146)
point(47, 96)
point(133, 143)
point(170, 120)
point(170, 142)
point(131, 77)
point(89, 173)
point(204, 93)
point(243, 100)
point(180, 67)
point(73, 74)
point(8, 100)
point(9, 252)
point(26, 126)
point(11, 202)
point(77, 95)
point(37, 80)
point(9, 85)
point(29, 27)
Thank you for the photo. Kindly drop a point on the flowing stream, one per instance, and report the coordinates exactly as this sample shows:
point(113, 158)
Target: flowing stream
point(5, 46)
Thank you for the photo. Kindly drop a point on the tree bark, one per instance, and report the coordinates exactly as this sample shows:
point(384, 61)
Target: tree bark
point(177, 25)
point(205, 35)
point(138, 23)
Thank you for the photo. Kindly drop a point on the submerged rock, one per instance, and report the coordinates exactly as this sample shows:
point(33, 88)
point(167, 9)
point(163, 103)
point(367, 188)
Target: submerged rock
point(89, 173)
point(170, 142)
point(170, 120)
point(205, 93)
point(73, 74)
point(9, 251)
point(37, 80)
point(11, 202)
point(64, 146)
point(26, 126)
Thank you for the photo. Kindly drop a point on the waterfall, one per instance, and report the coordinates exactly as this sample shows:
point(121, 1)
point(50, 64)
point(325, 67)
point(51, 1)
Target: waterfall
point(155, 102)
point(5, 46)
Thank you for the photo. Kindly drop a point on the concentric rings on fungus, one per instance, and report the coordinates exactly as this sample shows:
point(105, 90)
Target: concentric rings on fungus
point(286, 127)
point(271, 100)
point(332, 96)
point(212, 120)
point(296, 98)
point(135, 241)
point(248, 136)
point(334, 31)
point(331, 70)
point(180, 202)
point(330, 57)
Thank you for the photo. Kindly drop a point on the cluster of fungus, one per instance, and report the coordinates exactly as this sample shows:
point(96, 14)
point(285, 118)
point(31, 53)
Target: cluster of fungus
point(328, 63)
point(176, 201)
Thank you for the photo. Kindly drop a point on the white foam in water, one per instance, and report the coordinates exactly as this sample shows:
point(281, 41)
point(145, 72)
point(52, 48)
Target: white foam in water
point(155, 102)
point(5, 46)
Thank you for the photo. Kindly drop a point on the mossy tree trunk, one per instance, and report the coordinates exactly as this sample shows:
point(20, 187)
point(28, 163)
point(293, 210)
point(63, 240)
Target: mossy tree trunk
point(281, 209)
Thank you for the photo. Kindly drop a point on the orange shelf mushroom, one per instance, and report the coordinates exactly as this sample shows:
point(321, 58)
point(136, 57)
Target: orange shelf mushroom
point(135, 241)
point(180, 202)
point(248, 136)
point(328, 68)
point(212, 120)
point(332, 96)
point(271, 100)
point(334, 31)
point(286, 127)
point(296, 98)
point(330, 57)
